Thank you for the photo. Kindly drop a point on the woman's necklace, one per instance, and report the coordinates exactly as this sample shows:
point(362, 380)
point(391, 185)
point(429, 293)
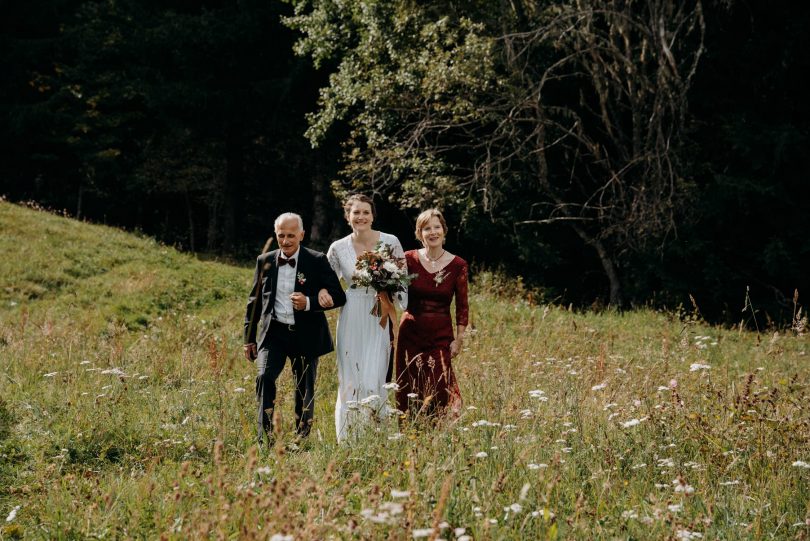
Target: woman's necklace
point(434, 261)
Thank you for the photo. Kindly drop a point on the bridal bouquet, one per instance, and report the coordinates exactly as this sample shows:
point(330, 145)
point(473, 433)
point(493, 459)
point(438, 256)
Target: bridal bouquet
point(383, 272)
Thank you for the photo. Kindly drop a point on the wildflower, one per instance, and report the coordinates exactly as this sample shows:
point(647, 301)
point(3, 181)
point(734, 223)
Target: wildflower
point(599, 387)
point(536, 393)
point(264, 470)
point(400, 493)
point(49, 374)
point(686, 535)
point(370, 400)
point(515, 508)
point(526, 414)
point(412, 395)
point(681, 486)
point(481, 454)
point(675, 508)
point(638, 466)
point(115, 372)
point(391, 386)
point(11, 516)
point(239, 390)
point(729, 483)
point(633, 422)
point(694, 367)
point(395, 436)
point(533, 466)
point(281, 537)
point(392, 508)
point(458, 532)
point(629, 514)
point(801, 464)
point(423, 532)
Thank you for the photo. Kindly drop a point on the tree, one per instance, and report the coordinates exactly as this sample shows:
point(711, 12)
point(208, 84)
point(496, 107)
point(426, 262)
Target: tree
point(539, 113)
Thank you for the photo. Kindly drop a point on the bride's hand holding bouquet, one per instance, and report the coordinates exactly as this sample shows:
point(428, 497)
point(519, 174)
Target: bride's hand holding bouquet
point(386, 274)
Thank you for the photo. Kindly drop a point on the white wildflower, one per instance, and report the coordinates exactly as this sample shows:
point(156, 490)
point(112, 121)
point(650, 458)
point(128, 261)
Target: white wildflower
point(481, 454)
point(391, 386)
point(675, 508)
point(11, 516)
point(801, 464)
point(239, 390)
point(683, 487)
point(694, 367)
point(686, 535)
point(533, 466)
point(633, 422)
point(400, 493)
point(423, 532)
point(630, 514)
point(370, 400)
point(49, 374)
point(392, 508)
point(599, 387)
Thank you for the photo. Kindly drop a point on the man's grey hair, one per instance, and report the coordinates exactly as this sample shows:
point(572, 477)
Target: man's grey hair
point(287, 216)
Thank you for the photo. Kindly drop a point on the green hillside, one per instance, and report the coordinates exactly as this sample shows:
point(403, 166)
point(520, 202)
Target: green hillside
point(126, 411)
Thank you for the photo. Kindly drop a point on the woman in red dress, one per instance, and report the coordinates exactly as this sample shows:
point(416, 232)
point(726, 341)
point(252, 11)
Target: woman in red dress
point(426, 344)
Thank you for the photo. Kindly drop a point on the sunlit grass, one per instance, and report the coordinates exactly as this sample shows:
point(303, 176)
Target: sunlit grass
point(126, 411)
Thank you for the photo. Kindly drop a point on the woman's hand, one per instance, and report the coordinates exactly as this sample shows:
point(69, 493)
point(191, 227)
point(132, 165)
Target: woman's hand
point(325, 299)
point(455, 348)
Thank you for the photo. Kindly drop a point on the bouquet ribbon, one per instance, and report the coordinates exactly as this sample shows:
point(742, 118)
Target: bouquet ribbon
point(384, 308)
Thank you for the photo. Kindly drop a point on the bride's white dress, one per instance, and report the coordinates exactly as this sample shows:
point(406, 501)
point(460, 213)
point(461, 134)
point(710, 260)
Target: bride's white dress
point(362, 348)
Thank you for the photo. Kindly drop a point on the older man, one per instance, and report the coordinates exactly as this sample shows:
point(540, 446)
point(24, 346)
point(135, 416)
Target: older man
point(284, 320)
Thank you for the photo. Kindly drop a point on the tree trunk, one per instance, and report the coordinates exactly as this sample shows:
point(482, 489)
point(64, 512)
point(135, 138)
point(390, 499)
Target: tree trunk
point(607, 265)
point(321, 206)
point(232, 189)
point(190, 212)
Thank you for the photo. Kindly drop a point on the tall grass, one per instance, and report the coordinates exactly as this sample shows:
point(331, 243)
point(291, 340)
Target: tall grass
point(126, 411)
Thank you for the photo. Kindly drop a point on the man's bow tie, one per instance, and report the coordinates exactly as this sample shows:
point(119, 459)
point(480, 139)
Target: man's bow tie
point(290, 262)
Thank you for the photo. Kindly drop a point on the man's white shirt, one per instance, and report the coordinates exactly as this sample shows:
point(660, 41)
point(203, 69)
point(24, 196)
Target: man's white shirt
point(283, 310)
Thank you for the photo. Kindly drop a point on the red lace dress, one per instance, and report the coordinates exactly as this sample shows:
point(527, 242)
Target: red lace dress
point(425, 332)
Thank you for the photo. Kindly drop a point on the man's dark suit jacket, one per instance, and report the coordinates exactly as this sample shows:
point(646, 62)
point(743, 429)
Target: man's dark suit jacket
point(313, 273)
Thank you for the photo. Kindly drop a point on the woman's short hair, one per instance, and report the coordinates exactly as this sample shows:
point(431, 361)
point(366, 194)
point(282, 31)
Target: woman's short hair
point(423, 219)
point(358, 198)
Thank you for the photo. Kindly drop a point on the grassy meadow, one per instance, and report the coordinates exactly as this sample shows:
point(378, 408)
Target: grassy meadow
point(127, 411)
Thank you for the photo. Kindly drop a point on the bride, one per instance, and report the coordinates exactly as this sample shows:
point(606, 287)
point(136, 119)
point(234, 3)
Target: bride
point(363, 346)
